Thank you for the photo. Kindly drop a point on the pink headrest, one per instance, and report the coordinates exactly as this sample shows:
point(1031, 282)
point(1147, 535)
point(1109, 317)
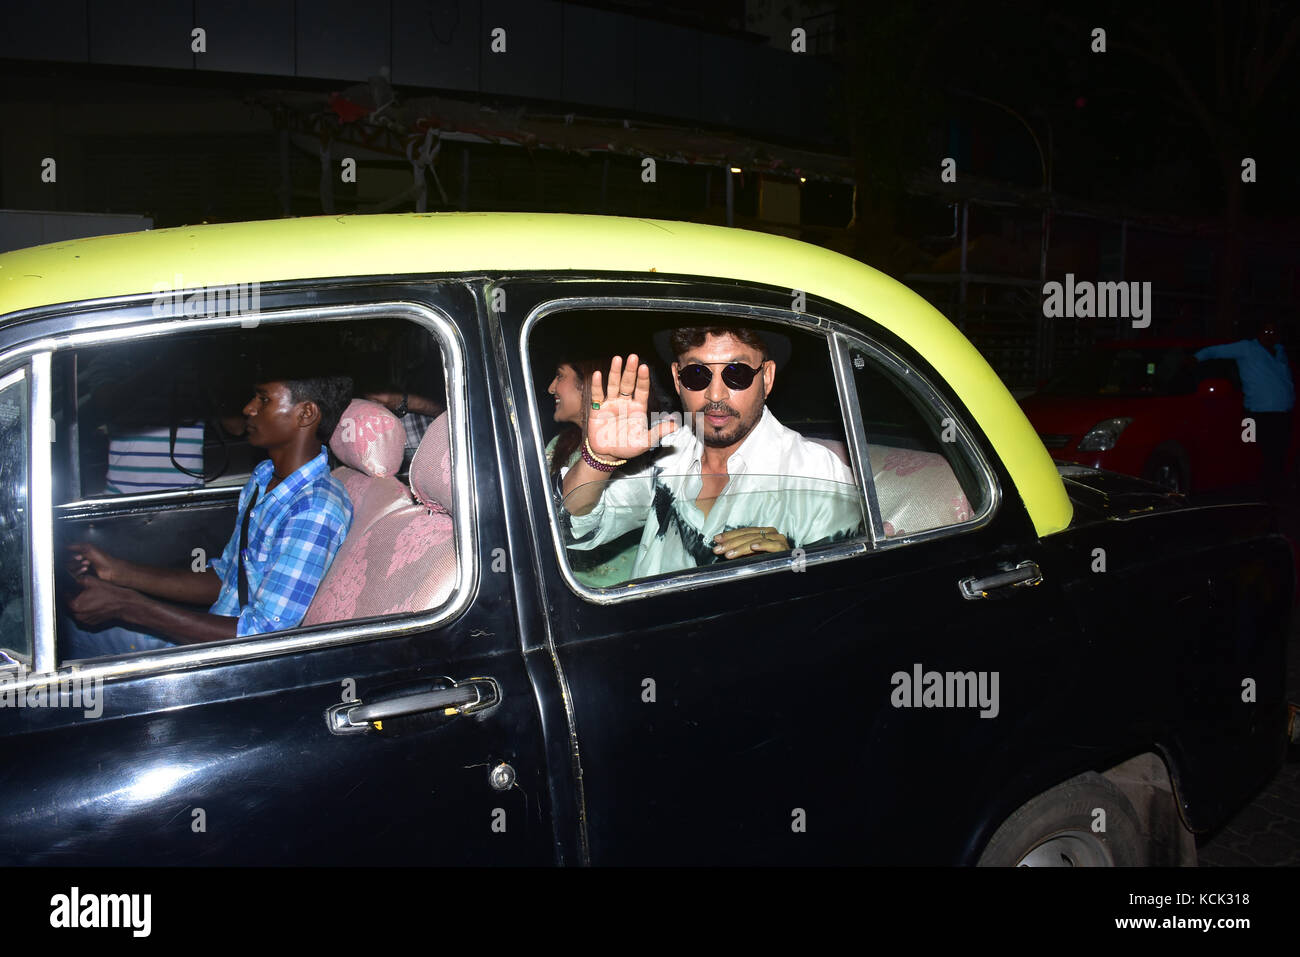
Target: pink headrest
point(369, 439)
point(431, 468)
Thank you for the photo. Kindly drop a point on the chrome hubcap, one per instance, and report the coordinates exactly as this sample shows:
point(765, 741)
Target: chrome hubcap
point(1068, 849)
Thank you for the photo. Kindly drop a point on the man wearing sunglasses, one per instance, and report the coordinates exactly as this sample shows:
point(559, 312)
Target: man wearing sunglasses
point(736, 482)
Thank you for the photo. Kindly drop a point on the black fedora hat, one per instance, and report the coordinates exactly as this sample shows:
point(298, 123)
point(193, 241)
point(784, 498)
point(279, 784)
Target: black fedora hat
point(778, 344)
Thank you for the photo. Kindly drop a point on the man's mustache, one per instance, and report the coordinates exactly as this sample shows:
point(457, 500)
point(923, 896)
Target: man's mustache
point(718, 408)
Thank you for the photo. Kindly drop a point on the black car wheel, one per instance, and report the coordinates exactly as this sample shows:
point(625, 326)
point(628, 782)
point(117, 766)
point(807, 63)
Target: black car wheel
point(1168, 467)
point(1063, 828)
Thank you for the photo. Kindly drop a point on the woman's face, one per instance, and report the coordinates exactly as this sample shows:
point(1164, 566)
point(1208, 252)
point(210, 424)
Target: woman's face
point(567, 389)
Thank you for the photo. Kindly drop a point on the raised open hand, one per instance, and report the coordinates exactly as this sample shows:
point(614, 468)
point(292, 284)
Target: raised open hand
point(620, 427)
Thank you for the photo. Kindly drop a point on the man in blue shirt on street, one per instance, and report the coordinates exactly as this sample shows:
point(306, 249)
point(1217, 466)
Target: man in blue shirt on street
point(1269, 397)
point(293, 516)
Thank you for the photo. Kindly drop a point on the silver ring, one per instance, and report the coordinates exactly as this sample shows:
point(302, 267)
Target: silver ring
point(626, 395)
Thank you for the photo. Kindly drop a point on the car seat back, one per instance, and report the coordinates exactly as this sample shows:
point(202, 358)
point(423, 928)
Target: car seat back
point(401, 556)
point(916, 490)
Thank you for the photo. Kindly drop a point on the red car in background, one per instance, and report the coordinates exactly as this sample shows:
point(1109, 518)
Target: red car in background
point(1147, 408)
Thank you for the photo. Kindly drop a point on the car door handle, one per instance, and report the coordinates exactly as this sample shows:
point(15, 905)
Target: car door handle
point(1026, 573)
point(463, 697)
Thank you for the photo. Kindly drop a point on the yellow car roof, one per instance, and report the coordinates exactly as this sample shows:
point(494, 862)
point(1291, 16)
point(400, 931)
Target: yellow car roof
point(438, 243)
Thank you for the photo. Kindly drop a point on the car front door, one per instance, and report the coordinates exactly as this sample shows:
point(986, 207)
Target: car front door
point(405, 738)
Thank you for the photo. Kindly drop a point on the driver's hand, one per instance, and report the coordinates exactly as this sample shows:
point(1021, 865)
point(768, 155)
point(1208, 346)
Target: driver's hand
point(86, 559)
point(748, 541)
point(98, 601)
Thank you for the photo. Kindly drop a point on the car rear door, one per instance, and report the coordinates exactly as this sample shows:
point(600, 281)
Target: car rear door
point(411, 739)
point(777, 711)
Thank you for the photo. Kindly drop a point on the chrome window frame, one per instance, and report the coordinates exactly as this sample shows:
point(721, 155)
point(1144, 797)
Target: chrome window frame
point(184, 657)
point(904, 376)
point(40, 524)
point(689, 578)
point(41, 635)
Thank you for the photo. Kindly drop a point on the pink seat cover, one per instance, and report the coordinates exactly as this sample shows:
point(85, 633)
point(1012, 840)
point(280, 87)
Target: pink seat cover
point(916, 490)
point(404, 562)
point(372, 498)
point(369, 439)
point(400, 556)
point(431, 467)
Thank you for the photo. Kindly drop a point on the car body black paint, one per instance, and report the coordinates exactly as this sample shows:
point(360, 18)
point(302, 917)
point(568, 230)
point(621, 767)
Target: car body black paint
point(773, 692)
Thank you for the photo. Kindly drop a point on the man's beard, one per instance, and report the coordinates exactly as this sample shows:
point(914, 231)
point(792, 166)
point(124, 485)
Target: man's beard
point(721, 440)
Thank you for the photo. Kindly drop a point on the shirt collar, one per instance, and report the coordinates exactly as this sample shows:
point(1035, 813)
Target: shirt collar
point(759, 438)
point(307, 473)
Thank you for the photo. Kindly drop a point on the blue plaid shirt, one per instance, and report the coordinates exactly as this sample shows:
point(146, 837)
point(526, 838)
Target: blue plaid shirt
point(293, 535)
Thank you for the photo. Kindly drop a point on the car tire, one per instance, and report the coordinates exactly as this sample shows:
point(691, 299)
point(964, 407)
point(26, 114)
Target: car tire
point(1167, 466)
point(1056, 829)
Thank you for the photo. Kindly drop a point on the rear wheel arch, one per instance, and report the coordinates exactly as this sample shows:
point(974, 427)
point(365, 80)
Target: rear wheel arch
point(1150, 785)
point(1127, 815)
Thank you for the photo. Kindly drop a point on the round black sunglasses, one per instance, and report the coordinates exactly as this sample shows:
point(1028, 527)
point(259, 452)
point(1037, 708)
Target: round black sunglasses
point(735, 375)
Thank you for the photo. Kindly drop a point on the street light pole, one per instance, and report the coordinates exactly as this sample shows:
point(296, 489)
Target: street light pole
point(1043, 360)
point(1042, 158)
point(1045, 167)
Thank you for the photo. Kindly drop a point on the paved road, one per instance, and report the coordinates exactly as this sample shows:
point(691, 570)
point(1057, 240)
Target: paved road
point(1267, 831)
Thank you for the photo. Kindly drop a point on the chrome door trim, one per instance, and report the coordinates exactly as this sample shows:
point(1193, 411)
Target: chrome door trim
point(102, 504)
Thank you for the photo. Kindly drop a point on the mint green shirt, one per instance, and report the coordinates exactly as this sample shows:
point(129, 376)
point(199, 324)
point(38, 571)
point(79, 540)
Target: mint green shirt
point(608, 564)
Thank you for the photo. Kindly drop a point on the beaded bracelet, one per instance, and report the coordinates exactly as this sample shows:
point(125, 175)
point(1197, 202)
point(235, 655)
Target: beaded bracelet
point(596, 465)
point(597, 462)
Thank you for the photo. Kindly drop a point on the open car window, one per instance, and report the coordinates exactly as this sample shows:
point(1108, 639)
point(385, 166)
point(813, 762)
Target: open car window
point(146, 423)
point(800, 428)
point(917, 467)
